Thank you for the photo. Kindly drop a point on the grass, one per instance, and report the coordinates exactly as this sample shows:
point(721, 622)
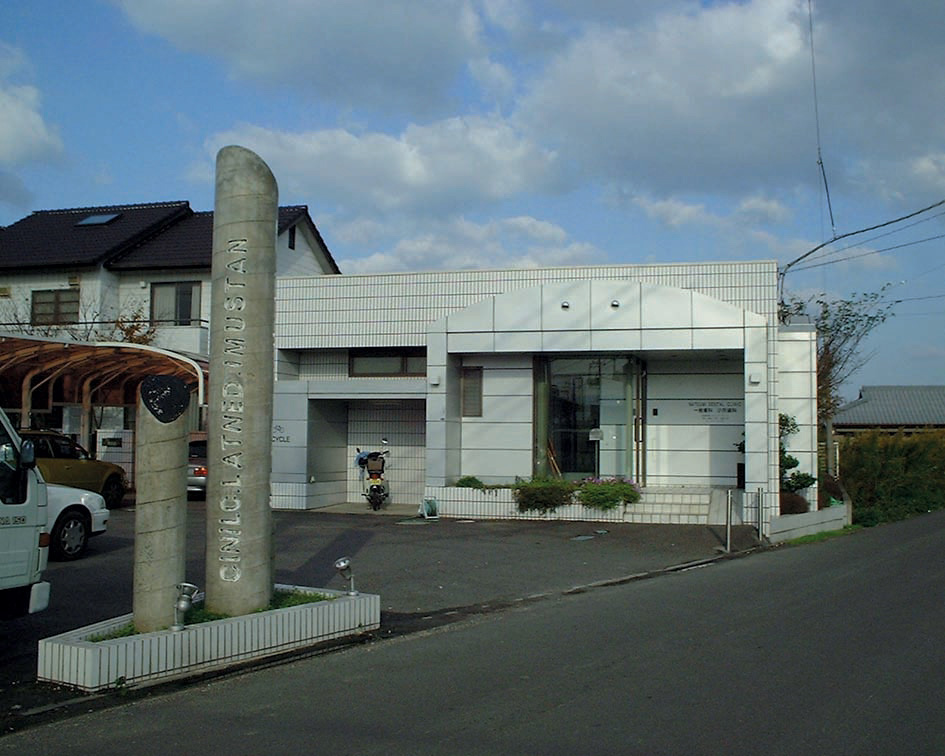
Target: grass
point(281, 599)
point(826, 535)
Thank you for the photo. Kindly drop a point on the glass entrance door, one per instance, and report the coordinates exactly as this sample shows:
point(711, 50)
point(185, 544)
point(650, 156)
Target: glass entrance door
point(588, 416)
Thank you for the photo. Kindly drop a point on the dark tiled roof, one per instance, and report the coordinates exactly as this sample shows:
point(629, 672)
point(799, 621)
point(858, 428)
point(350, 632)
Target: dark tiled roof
point(52, 238)
point(142, 237)
point(186, 244)
point(894, 406)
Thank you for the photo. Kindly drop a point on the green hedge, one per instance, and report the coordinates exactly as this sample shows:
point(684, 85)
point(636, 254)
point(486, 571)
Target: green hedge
point(547, 494)
point(891, 477)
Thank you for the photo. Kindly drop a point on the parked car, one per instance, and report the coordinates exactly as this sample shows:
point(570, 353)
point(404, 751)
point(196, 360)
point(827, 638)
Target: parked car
point(72, 517)
point(197, 469)
point(61, 460)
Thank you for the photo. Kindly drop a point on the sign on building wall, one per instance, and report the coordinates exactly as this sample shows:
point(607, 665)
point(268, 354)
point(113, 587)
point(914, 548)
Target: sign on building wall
point(713, 411)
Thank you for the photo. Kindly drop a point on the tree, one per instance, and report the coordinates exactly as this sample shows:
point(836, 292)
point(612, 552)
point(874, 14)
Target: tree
point(130, 324)
point(842, 325)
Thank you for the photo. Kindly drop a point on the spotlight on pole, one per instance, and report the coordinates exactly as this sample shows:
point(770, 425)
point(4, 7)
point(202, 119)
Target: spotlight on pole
point(343, 566)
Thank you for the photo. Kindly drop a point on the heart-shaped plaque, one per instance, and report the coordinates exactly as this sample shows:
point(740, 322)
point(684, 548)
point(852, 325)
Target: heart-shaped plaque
point(165, 396)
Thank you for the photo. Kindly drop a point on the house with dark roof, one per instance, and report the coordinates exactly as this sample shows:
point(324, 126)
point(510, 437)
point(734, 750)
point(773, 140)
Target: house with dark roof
point(78, 272)
point(909, 409)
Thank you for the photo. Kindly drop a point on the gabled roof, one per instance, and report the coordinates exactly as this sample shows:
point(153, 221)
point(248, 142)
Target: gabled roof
point(125, 237)
point(894, 406)
point(60, 239)
point(186, 244)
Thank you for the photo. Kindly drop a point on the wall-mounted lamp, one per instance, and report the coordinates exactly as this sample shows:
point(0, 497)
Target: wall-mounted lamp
point(343, 566)
point(615, 303)
point(565, 305)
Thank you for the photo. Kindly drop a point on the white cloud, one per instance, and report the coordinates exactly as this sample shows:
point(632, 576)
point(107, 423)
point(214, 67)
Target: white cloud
point(447, 166)
point(401, 55)
point(762, 210)
point(713, 99)
point(24, 135)
point(674, 212)
point(458, 244)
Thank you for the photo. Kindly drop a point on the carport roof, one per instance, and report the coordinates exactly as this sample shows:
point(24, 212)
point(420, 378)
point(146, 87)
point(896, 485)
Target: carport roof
point(23, 357)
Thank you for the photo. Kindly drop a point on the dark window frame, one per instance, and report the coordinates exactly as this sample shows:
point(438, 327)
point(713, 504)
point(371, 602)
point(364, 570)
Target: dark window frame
point(57, 301)
point(406, 355)
point(471, 392)
point(178, 319)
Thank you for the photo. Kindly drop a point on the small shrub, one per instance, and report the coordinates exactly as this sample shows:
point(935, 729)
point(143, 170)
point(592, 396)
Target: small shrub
point(829, 491)
point(125, 631)
point(283, 599)
point(469, 481)
point(543, 494)
point(792, 503)
point(893, 476)
point(607, 493)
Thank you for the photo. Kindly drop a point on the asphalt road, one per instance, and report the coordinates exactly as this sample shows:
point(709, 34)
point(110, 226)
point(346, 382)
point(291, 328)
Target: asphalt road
point(427, 573)
point(827, 648)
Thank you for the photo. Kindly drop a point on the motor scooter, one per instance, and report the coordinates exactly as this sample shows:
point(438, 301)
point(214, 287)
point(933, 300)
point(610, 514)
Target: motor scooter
point(376, 489)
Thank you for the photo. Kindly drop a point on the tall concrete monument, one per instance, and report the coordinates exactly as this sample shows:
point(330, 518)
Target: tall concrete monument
point(161, 500)
point(239, 432)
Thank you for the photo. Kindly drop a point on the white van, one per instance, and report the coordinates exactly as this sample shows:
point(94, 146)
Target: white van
point(24, 546)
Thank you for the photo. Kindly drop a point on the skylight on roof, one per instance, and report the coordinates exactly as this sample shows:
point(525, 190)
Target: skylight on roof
point(99, 219)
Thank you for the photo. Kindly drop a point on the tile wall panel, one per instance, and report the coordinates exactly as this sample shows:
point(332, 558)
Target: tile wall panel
point(403, 423)
point(395, 309)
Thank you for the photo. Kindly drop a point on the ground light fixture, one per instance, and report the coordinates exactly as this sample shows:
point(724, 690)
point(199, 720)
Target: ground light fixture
point(343, 566)
point(185, 600)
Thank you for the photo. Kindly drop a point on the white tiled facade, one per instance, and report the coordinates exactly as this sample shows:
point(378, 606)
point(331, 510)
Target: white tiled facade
point(718, 370)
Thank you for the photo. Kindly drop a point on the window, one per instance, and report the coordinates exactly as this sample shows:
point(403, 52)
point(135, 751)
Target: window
point(55, 307)
point(175, 303)
point(386, 362)
point(472, 391)
point(292, 237)
point(101, 219)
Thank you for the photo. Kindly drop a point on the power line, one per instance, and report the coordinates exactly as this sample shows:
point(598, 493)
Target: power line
point(871, 252)
point(911, 299)
point(881, 236)
point(813, 78)
point(819, 247)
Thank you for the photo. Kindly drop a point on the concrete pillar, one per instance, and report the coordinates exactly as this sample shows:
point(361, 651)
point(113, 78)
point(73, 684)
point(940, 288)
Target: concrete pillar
point(160, 503)
point(239, 430)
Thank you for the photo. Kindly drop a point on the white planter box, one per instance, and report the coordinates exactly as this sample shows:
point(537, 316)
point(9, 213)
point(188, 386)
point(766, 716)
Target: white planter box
point(70, 659)
point(499, 504)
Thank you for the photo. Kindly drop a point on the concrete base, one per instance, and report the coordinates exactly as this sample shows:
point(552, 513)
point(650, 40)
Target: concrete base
point(667, 506)
point(70, 659)
point(787, 527)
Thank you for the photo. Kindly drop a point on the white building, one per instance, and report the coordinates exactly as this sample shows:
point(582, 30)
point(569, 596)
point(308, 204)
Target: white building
point(659, 373)
point(653, 372)
point(78, 273)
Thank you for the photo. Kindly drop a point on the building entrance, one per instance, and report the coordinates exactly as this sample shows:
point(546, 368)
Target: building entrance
point(589, 415)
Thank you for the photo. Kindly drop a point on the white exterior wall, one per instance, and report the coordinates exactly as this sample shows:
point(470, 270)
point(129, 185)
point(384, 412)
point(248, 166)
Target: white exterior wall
point(797, 397)
point(302, 260)
point(97, 299)
point(396, 309)
point(497, 447)
point(695, 418)
point(707, 333)
point(134, 291)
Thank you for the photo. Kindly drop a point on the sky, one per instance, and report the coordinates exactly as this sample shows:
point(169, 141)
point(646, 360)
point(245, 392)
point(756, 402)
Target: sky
point(445, 134)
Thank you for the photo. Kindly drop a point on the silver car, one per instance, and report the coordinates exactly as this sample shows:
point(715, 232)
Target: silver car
point(197, 469)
